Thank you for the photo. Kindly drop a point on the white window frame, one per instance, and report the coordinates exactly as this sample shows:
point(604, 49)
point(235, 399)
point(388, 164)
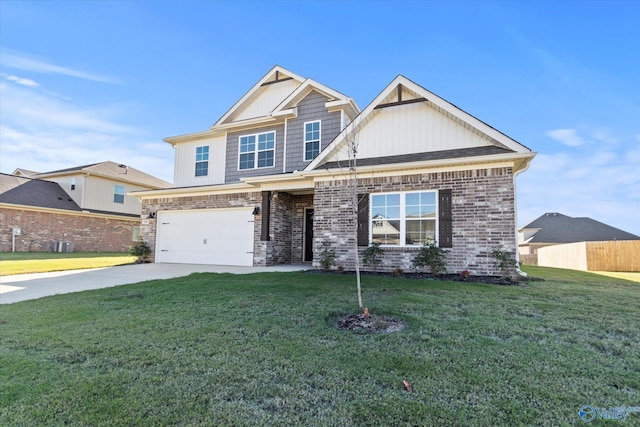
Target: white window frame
point(202, 160)
point(116, 193)
point(257, 150)
point(402, 217)
point(319, 140)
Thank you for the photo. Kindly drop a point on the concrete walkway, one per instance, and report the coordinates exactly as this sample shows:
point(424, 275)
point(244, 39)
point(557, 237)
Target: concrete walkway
point(23, 287)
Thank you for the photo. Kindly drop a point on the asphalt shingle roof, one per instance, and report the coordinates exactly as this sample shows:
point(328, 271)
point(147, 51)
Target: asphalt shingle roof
point(558, 228)
point(19, 190)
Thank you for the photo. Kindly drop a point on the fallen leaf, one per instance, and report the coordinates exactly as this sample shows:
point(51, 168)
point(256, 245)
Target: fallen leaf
point(407, 385)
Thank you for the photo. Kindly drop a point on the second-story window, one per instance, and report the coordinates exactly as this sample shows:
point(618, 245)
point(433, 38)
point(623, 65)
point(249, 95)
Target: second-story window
point(311, 140)
point(257, 151)
point(118, 193)
point(202, 160)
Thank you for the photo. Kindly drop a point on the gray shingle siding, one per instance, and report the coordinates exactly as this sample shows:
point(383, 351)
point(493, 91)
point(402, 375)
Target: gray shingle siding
point(311, 108)
point(232, 174)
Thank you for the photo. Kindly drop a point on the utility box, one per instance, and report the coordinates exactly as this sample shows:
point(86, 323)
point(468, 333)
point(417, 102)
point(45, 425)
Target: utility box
point(63, 246)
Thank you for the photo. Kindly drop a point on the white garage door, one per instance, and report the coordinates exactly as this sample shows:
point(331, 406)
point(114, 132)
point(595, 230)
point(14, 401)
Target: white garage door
point(216, 236)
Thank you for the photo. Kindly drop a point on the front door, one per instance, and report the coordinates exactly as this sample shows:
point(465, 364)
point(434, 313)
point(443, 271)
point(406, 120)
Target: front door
point(308, 235)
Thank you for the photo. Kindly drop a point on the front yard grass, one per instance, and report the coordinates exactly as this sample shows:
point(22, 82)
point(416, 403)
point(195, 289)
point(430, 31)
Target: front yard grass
point(262, 349)
point(42, 262)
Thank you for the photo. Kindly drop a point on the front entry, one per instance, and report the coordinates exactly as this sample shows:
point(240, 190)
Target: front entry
point(308, 235)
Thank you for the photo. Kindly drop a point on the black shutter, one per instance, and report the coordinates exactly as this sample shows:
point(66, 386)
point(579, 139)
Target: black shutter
point(445, 223)
point(266, 216)
point(363, 219)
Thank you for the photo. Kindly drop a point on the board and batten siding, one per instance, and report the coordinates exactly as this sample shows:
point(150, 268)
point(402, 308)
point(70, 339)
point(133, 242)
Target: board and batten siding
point(65, 182)
point(311, 108)
point(184, 173)
point(99, 196)
point(233, 174)
point(263, 100)
point(413, 128)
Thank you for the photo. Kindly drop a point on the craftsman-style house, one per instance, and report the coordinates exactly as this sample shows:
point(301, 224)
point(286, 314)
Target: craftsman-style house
point(271, 182)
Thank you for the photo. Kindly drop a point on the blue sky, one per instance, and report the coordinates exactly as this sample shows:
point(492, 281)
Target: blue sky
point(89, 81)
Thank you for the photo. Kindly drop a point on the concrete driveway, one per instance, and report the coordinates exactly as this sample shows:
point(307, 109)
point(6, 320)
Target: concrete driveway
point(31, 286)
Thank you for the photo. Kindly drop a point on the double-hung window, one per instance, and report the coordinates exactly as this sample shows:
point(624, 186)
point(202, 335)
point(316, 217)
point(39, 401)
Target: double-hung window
point(403, 219)
point(202, 160)
point(311, 140)
point(118, 193)
point(257, 151)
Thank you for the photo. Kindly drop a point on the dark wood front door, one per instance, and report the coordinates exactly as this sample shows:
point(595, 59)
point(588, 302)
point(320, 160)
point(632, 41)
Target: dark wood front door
point(308, 235)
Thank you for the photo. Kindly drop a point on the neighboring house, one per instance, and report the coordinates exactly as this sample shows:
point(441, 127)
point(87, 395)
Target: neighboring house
point(82, 209)
point(555, 228)
point(271, 181)
point(103, 187)
point(557, 240)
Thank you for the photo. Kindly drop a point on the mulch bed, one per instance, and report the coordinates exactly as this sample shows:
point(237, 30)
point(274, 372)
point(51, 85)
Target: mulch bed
point(373, 323)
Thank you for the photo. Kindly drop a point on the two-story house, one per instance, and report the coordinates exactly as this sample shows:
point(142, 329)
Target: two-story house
point(84, 208)
point(272, 181)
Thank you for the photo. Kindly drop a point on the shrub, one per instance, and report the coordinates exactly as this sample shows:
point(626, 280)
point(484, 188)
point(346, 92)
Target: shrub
point(398, 272)
point(141, 250)
point(507, 264)
point(431, 255)
point(327, 256)
point(371, 255)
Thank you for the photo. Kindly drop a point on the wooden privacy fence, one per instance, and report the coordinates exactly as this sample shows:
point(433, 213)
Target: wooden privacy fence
point(614, 255)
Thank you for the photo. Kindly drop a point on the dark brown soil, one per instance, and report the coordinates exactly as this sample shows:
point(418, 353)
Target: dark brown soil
point(373, 323)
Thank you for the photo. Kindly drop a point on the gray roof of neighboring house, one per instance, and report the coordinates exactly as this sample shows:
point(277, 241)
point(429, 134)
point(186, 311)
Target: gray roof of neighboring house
point(19, 190)
point(112, 170)
point(557, 228)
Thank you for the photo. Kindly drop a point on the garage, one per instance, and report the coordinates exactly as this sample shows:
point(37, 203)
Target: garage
point(216, 236)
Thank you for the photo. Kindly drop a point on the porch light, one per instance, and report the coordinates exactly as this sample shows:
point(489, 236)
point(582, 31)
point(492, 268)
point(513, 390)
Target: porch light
point(256, 211)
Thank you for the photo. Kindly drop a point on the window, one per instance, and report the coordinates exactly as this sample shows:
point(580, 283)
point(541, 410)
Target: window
point(136, 233)
point(257, 151)
point(403, 219)
point(202, 160)
point(118, 193)
point(311, 140)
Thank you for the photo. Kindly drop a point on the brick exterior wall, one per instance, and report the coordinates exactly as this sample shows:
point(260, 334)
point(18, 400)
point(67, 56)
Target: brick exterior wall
point(148, 227)
point(88, 233)
point(285, 229)
point(483, 211)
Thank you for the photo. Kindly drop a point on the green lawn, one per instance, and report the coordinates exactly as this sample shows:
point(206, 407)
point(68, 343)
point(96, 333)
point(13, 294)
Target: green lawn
point(41, 262)
point(261, 349)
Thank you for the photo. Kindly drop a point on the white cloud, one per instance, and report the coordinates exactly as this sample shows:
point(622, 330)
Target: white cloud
point(24, 62)
point(22, 81)
point(568, 137)
point(603, 185)
point(43, 132)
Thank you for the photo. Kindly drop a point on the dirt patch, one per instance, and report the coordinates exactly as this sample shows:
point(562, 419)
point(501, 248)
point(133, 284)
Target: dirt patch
point(373, 323)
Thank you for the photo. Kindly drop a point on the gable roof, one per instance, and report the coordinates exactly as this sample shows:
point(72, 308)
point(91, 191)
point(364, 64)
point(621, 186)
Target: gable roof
point(111, 170)
point(18, 190)
point(275, 95)
point(276, 75)
point(402, 91)
point(555, 227)
point(24, 172)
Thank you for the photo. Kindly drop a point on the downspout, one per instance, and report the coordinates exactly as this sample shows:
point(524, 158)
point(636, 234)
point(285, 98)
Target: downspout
point(515, 207)
point(284, 149)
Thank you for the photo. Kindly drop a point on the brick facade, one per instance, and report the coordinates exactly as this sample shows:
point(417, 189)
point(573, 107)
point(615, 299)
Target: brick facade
point(285, 229)
point(483, 211)
point(87, 232)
